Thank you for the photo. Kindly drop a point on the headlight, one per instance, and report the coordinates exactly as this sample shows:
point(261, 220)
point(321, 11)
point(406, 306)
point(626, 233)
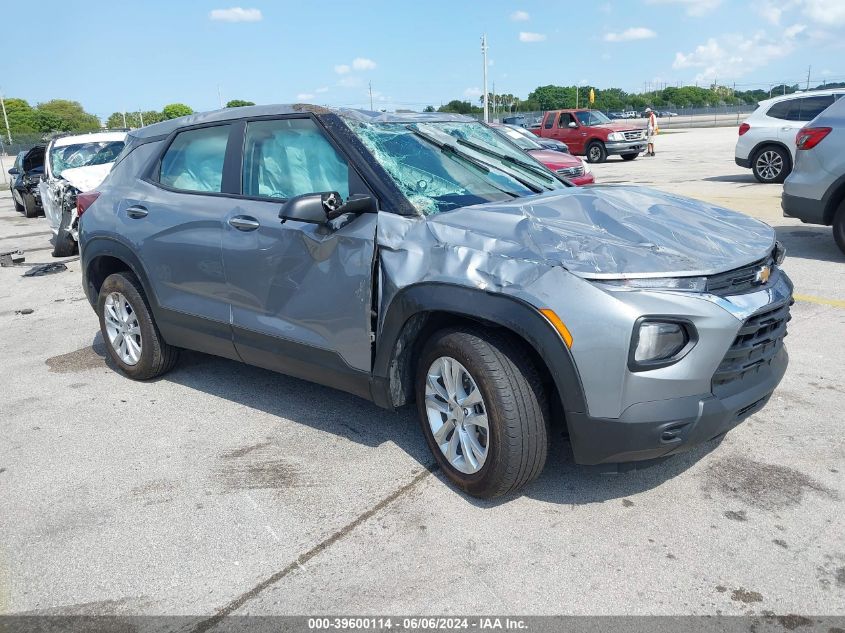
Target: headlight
point(615, 136)
point(587, 169)
point(691, 284)
point(658, 343)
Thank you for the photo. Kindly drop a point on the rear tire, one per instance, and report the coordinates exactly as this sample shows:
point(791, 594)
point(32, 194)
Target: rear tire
point(771, 164)
point(507, 390)
point(839, 227)
point(29, 206)
point(65, 245)
point(127, 326)
point(629, 156)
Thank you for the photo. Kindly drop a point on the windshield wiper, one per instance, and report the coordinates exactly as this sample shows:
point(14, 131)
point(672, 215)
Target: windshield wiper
point(451, 150)
point(507, 158)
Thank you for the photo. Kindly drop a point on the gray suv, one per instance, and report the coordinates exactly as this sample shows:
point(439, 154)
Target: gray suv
point(424, 258)
point(815, 190)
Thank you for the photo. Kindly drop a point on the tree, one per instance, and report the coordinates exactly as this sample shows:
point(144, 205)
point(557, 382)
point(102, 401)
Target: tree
point(64, 116)
point(174, 111)
point(459, 107)
point(22, 118)
point(239, 103)
point(428, 108)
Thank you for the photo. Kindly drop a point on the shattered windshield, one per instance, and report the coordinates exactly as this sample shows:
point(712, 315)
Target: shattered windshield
point(82, 155)
point(592, 117)
point(441, 166)
point(517, 137)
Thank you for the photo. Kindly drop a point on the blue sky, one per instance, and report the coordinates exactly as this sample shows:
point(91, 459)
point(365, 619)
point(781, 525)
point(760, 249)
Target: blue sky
point(113, 56)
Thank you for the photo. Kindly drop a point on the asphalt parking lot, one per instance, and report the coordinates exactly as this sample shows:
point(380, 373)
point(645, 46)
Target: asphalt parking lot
point(221, 488)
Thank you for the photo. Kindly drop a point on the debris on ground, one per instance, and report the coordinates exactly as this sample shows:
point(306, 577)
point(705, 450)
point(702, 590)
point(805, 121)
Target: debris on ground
point(10, 258)
point(24, 311)
point(45, 269)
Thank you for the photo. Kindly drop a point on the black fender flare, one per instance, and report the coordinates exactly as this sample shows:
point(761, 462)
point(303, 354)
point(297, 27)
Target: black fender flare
point(107, 247)
point(503, 310)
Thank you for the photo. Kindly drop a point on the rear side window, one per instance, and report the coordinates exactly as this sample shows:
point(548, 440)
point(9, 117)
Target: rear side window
point(194, 160)
point(811, 107)
point(787, 110)
point(284, 158)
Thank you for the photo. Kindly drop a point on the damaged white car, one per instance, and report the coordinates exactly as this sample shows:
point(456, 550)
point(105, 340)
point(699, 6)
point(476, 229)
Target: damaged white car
point(74, 165)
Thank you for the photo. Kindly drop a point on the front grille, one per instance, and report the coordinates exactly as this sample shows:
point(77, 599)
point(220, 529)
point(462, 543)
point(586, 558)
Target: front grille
point(571, 172)
point(756, 344)
point(740, 279)
point(633, 135)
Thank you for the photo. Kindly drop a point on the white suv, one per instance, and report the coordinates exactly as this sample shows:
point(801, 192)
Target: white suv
point(766, 142)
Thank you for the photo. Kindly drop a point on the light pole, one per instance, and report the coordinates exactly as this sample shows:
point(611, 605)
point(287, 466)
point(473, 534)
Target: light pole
point(5, 118)
point(484, 57)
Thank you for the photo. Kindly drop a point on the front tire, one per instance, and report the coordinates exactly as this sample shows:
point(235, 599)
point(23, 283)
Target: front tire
point(483, 410)
point(30, 209)
point(839, 227)
point(629, 156)
point(65, 245)
point(131, 336)
point(596, 152)
point(18, 206)
point(771, 164)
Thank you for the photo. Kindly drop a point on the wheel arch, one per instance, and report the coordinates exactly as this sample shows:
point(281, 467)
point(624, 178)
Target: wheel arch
point(752, 156)
point(419, 310)
point(836, 199)
point(102, 257)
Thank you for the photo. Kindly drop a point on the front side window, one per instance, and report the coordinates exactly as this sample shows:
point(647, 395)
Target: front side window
point(811, 107)
point(291, 157)
point(194, 160)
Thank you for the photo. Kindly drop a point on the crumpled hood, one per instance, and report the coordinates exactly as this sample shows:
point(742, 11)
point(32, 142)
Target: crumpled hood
point(87, 178)
point(609, 231)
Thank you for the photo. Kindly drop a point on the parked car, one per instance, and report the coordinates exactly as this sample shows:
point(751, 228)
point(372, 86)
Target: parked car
point(766, 142)
point(815, 190)
point(546, 143)
point(27, 172)
point(666, 114)
point(517, 119)
point(590, 133)
point(74, 164)
point(571, 167)
point(407, 258)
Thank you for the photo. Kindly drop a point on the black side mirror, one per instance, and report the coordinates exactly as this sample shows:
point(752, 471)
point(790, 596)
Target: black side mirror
point(14, 171)
point(317, 208)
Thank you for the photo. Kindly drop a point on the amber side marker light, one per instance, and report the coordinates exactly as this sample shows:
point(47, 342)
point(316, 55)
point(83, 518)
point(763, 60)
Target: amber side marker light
point(559, 325)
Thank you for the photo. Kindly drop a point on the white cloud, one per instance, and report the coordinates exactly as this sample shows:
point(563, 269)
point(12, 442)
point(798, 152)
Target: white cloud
point(770, 11)
point(473, 93)
point(520, 16)
point(829, 12)
point(525, 36)
point(342, 69)
point(732, 56)
point(695, 8)
point(304, 96)
point(236, 14)
point(349, 82)
point(362, 63)
point(634, 33)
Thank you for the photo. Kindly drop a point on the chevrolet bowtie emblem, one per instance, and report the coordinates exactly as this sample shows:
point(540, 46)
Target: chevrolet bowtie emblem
point(763, 275)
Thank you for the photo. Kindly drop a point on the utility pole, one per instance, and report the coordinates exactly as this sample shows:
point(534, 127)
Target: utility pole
point(494, 100)
point(484, 57)
point(124, 118)
point(809, 68)
point(5, 118)
point(141, 118)
point(371, 96)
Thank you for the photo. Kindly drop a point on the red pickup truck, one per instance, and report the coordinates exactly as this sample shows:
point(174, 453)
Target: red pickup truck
point(590, 133)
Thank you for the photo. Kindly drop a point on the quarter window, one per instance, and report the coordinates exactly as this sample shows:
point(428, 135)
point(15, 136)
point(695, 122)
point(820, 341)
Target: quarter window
point(783, 110)
point(811, 107)
point(284, 158)
point(194, 160)
point(550, 120)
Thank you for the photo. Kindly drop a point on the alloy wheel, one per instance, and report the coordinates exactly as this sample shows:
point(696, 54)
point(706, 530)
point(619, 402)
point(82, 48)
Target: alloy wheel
point(122, 328)
point(457, 415)
point(769, 164)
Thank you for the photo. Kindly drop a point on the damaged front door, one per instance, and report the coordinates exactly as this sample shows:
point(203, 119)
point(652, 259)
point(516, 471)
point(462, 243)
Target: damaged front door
point(301, 293)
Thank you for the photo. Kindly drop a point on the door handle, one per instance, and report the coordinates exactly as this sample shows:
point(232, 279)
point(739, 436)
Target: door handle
point(137, 212)
point(244, 223)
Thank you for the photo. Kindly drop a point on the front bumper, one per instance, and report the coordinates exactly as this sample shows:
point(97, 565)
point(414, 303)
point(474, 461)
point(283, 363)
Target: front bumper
point(625, 147)
point(586, 179)
point(650, 430)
